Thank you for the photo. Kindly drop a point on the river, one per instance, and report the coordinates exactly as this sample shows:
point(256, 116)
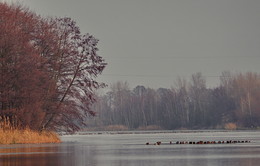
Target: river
point(130, 149)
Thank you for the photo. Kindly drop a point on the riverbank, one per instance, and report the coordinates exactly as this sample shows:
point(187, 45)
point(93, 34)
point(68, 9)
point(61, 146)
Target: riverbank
point(27, 136)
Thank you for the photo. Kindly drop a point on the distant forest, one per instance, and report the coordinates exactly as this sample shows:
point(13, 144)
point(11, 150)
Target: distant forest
point(187, 105)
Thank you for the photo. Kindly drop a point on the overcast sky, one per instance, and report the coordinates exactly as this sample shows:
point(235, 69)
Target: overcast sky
point(152, 42)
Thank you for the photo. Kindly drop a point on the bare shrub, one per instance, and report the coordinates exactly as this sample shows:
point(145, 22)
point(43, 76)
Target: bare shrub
point(116, 128)
point(150, 127)
point(230, 126)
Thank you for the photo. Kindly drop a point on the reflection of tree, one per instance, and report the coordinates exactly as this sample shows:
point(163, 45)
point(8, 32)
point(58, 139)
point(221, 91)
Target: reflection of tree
point(30, 155)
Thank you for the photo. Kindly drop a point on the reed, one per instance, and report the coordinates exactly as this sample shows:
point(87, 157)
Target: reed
point(11, 135)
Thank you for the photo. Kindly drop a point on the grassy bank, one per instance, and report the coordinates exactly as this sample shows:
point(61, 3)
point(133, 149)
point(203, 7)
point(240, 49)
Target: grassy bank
point(15, 135)
point(27, 136)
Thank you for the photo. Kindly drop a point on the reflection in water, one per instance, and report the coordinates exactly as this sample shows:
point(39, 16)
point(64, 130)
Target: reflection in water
point(129, 150)
point(29, 155)
point(65, 154)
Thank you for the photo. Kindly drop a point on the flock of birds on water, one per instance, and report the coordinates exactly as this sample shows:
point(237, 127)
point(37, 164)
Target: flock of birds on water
point(199, 142)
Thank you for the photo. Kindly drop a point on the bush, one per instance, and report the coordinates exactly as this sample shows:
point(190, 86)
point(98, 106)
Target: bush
point(230, 126)
point(116, 128)
point(150, 127)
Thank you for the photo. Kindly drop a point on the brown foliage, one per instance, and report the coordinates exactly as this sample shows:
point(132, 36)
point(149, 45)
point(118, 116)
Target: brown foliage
point(116, 128)
point(230, 126)
point(150, 127)
point(47, 70)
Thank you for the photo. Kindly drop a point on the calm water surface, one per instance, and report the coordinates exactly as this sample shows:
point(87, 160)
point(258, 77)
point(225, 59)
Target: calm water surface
point(130, 150)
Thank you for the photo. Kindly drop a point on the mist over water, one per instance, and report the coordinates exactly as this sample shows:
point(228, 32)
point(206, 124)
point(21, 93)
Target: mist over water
point(126, 149)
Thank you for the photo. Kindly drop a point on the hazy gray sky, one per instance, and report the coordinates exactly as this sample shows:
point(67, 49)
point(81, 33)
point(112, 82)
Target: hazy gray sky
point(152, 42)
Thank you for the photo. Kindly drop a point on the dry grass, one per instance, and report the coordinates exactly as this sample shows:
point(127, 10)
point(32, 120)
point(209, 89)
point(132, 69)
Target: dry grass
point(27, 136)
point(116, 128)
point(9, 135)
point(149, 127)
point(230, 126)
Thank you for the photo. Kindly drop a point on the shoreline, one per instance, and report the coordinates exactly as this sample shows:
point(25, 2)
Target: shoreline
point(153, 132)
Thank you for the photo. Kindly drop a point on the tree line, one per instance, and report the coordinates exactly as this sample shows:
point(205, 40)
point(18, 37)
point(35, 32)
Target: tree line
point(48, 71)
point(188, 104)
